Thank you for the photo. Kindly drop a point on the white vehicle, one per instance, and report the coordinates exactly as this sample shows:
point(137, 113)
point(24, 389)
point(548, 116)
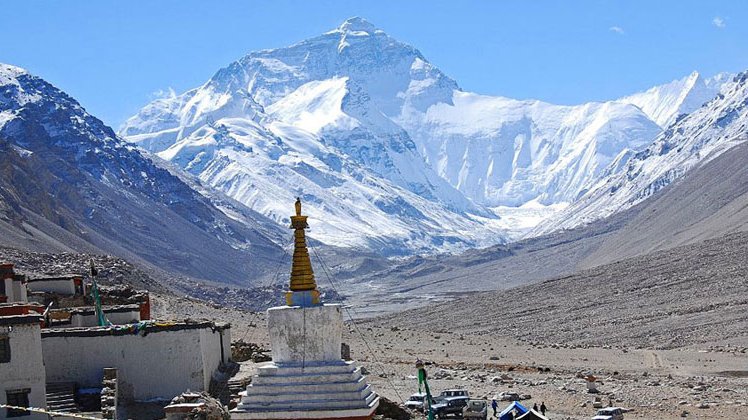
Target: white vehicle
point(454, 393)
point(475, 409)
point(508, 396)
point(610, 413)
point(415, 402)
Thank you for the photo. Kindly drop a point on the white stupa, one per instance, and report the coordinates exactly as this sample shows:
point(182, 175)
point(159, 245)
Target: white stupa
point(307, 378)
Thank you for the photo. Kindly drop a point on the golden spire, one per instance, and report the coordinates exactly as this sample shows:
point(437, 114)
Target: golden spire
point(303, 288)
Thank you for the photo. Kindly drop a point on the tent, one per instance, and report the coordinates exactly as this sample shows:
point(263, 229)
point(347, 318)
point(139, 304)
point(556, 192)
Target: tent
point(532, 415)
point(506, 414)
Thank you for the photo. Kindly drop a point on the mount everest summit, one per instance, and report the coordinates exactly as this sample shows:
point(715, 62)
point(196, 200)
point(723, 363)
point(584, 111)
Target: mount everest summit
point(390, 152)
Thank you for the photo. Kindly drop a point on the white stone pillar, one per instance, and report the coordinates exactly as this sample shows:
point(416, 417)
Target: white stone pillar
point(310, 335)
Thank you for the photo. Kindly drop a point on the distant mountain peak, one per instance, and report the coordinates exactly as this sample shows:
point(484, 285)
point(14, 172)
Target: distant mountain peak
point(8, 70)
point(357, 24)
point(665, 103)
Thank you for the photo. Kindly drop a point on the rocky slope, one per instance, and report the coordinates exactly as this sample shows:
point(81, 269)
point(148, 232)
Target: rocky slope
point(68, 183)
point(688, 295)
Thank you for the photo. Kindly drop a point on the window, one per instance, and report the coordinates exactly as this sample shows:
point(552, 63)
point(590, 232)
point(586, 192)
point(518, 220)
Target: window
point(18, 398)
point(4, 349)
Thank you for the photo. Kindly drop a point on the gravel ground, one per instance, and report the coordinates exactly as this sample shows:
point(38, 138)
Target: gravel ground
point(655, 384)
point(691, 295)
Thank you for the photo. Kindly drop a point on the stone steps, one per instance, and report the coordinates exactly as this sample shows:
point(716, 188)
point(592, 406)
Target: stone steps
point(259, 413)
point(294, 404)
point(256, 395)
point(308, 387)
point(306, 379)
point(320, 387)
point(307, 375)
point(271, 368)
point(61, 397)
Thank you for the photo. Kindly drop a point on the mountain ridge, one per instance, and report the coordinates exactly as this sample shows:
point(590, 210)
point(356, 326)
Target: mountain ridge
point(353, 105)
point(690, 142)
point(666, 102)
point(66, 172)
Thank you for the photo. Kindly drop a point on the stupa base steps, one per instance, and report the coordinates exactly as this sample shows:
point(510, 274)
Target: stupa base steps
point(272, 374)
point(311, 402)
point(334, 390)
point(360, 414)
point(321, 392)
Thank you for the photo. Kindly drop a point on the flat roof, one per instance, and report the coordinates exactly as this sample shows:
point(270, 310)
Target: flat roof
point(57, 277)
point(14, 304)
point(109, 309)
point(20, 319)
point(129, 329)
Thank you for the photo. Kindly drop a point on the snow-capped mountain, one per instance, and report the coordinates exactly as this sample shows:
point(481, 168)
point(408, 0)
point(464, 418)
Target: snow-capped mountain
point(68, 183)
point(363, 71)
point(309, 121)
point(390, 152)
point(500, 151)
point(691, 141)
point(663, 104)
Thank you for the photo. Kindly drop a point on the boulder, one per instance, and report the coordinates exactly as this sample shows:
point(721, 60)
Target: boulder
point(391, 410)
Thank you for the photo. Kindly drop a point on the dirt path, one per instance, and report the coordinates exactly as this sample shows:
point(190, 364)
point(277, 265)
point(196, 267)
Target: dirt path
point(656, 361)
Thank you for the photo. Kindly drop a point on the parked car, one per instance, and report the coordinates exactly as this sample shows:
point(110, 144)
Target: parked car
point(456, 392)
point(450, 406)
point(508, 396)
point(475, 409)
point(415, 402)
point(610, 413)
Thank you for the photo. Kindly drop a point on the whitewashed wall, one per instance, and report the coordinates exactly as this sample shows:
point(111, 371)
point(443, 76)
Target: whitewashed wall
point(161, 364)
point(116, 318)
point(65, 286)
point(26, 367)
point(211, 351)
point(15, 290)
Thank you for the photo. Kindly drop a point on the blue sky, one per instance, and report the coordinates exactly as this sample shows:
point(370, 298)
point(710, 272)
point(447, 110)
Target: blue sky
point(114, 55)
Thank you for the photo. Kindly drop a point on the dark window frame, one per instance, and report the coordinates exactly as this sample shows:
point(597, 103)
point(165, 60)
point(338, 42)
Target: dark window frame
point(18, 398)
point(4, 349)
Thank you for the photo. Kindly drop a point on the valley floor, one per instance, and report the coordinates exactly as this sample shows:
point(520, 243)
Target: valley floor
point(705, 381)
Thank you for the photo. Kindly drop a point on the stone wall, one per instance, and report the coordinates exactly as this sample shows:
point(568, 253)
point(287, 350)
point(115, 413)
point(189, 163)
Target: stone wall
point(26, 368)
point(161, 363)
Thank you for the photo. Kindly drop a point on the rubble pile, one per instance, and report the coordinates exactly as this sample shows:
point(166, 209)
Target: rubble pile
point(251, 299)
point(205, 407)
point(111, 270)
point(242, 351)
point(121, 295)
point(390, 410)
